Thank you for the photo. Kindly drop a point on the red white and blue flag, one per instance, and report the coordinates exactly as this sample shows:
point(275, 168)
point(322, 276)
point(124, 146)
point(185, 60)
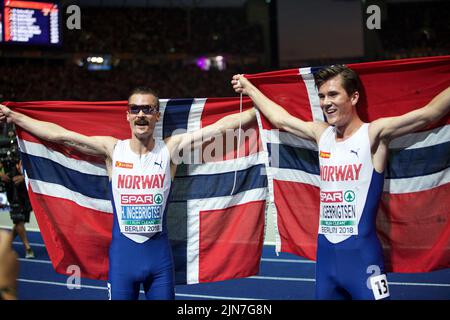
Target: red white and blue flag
point(216, 218)
point(413, 221)
point(215, 200)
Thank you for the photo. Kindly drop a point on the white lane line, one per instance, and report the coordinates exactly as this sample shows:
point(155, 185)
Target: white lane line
point(213, 297)
point(32, 244)
point(282, 278)
point(264, 260)
point(35, 260)
point(419, 284)
point(36, 244)
point(390, 283)
point(61, 284)
point(287, 260)
point(426, 284)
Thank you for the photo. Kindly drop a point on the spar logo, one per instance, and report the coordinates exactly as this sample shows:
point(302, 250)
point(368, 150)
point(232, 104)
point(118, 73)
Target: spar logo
point(349, 196)
point(137, 199)
point(337, 196)
point(158, 198)
point(331, 196)
point(141, 199)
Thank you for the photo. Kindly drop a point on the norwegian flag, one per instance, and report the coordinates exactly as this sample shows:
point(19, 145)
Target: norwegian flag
point(413, 221)
point(216, 210)
point(216, 216)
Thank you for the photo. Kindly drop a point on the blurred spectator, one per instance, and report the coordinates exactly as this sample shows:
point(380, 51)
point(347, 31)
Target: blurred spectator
point(9, 267)
point(425, 35)
point(158, 47)
point(151, 31)
point(20, 208)
point(150, 46)
point(59, 81)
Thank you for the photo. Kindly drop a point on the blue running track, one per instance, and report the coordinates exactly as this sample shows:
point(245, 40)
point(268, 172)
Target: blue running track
point(286, 277)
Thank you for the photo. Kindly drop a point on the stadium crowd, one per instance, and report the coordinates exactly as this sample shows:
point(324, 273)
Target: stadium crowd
point(159, 47)
point(151, 46)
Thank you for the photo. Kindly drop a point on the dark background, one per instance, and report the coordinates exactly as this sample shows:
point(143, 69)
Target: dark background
point(157, 43)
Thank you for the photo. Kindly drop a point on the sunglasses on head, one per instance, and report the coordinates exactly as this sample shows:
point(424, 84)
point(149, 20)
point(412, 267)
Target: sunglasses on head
point(146, 109)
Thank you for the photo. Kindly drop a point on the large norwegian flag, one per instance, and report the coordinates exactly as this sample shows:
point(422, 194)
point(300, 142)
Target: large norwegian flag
point(217, 204)
point(218, 236)
point(413, 221)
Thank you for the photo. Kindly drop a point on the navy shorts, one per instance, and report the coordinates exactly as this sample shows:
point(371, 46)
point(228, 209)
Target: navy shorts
point(132, 264)
point(343, 269)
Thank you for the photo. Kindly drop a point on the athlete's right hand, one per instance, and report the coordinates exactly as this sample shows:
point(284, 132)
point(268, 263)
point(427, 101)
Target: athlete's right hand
point(240, 83)
point(4, 113)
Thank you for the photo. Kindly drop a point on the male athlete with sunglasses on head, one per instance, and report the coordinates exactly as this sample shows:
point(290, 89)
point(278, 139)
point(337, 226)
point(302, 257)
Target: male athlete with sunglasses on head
point(140, 170)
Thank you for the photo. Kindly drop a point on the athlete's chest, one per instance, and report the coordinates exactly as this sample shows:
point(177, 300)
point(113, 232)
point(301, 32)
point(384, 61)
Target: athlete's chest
point(140, 172)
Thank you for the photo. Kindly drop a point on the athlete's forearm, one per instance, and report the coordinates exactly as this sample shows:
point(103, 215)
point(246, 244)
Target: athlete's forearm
point(440, 105)
point(94, 145)
point(220, 127)
point(234, 120)
point(271, 110)
point(41, 129)
point(393, 127)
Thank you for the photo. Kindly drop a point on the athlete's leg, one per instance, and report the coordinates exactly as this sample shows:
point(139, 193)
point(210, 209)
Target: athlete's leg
point(19, 229)
point(364, 262)
point(161, 286)
point(358, 282)
point(160, 283)
point(123, 281)
point(327, 286)
point(120, 288)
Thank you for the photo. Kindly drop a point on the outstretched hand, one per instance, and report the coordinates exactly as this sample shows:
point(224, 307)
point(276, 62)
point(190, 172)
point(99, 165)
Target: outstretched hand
point(240, 83)
point(4, 113)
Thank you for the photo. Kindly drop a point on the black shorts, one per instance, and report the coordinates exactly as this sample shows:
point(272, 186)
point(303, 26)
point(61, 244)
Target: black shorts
point(20, 216)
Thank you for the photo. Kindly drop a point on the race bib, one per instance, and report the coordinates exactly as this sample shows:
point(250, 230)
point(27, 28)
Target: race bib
point(338, 214)
point(141, 213)
point(380, 286)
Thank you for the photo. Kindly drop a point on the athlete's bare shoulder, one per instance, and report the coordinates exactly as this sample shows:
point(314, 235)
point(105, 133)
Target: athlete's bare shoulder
point(319, 127)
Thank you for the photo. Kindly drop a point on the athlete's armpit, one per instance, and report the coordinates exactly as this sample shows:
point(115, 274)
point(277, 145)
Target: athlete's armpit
point(82, 147)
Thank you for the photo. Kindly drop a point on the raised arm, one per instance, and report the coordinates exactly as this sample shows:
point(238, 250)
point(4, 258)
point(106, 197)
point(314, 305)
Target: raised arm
point(393, 127)
point(192, 139)
point(101, 146)
point(275, 113)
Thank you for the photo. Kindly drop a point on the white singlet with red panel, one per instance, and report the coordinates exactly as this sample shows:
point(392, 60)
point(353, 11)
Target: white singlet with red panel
point(140, 187)
point(345, 177)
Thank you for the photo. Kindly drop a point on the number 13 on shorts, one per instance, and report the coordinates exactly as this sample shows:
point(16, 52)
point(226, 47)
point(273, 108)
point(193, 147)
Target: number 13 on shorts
point(380, 287)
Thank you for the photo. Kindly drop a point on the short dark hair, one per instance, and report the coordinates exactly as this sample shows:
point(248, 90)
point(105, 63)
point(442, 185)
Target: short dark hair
point(145, 90)
point(350, 79)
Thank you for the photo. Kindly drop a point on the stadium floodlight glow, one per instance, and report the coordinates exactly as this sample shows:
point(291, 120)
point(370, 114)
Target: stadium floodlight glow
point(208, 63)
point(98, 62)
point(220, 63)
point(203, 63)
point(95, 59)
